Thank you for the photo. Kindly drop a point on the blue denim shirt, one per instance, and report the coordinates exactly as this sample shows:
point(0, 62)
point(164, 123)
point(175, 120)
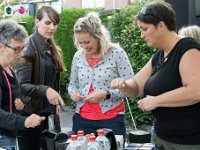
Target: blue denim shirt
point(115, 65)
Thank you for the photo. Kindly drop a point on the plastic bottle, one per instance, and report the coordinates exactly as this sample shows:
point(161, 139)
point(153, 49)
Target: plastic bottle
point(74, 144)
point(103, 140)
point(93, 144)
point(82, 139)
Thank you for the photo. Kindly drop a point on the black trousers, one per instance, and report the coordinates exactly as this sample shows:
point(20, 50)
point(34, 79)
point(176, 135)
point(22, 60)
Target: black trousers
point(29, 139)
point(32, 138)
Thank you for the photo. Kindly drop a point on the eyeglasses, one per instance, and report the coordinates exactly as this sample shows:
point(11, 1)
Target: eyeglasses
point(146, 11)
point(16, 50)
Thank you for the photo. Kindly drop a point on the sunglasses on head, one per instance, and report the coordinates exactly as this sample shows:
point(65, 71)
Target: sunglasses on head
point(146, 11)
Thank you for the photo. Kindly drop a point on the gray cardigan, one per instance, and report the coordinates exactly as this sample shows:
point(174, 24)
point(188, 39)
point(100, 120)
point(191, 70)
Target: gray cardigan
point(115, 65)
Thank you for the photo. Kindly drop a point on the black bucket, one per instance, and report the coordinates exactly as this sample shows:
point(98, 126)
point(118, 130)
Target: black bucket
point(139, 136)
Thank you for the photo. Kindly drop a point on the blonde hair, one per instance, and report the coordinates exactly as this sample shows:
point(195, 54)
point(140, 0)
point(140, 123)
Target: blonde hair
point(192, 31)
point(91, 23)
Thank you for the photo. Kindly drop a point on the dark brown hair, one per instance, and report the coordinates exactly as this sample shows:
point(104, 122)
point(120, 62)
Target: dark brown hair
point(55, 18)
point(156, 12)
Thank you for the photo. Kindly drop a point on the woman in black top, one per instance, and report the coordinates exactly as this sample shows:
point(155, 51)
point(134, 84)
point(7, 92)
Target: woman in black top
point(12, 38)
point(39, 77)
point(169, 81)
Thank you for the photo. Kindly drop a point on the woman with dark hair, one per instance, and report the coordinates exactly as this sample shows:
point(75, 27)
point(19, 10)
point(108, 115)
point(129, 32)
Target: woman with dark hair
point(169, 81)
point(39, 77)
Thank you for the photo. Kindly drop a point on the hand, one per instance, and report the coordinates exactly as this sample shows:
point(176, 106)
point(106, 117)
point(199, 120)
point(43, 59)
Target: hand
point(58, 113)
point(75, 95)
point(33, 121)
point(53, 97)
point(147, 103)
point(19, 105)
point(118, 83)
point(96, 96)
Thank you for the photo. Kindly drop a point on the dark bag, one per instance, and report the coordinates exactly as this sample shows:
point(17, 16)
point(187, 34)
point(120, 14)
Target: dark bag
point(55, 140)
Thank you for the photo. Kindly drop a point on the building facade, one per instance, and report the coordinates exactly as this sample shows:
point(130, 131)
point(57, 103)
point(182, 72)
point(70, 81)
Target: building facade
point(104, 4)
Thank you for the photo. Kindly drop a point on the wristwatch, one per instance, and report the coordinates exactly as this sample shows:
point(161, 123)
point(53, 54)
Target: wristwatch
point(108, 95)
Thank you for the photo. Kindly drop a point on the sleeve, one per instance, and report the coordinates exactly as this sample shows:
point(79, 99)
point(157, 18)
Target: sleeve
point(125, 71)
point(10, 121)
point(25, 72)
point(73, 83)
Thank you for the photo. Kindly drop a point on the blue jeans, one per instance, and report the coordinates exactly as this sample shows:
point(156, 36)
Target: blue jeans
point(8, 143)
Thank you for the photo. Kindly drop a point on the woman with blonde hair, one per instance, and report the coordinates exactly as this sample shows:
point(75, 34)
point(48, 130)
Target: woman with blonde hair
point(192, 31)
point(94, 65)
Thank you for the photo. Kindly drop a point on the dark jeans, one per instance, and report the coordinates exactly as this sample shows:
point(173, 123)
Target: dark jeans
point(117, 124)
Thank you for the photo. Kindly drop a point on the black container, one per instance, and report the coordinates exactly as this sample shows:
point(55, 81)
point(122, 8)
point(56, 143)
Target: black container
point(139, 136)
point(55, 140)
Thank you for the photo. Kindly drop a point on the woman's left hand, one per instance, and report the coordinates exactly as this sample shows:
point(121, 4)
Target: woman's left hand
point(147, 103)
point(96, 96)
point(19, 105)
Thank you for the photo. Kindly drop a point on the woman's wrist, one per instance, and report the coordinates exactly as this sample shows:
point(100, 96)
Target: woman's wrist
point(108, 95)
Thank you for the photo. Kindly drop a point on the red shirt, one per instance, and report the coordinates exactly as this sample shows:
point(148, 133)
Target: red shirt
point(92, 111)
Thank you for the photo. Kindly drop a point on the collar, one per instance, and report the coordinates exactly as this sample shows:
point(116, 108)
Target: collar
point(41, 43)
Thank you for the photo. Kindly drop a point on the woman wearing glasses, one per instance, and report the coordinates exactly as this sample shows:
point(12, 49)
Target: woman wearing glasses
point(39, 78)
point(12, 37)
point(169, 82)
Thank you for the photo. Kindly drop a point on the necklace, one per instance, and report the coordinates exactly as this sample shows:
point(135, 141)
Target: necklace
point(161, 60)
point(164, 59)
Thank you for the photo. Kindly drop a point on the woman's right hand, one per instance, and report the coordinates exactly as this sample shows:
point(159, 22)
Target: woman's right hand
point(118, 83)
point(54, 97)
point(33, 121)
point(75, 95)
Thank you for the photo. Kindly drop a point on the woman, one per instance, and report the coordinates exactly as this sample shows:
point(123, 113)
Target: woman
point(39, 77)
point(169, 81)
point(12, 38)
point(94, 65)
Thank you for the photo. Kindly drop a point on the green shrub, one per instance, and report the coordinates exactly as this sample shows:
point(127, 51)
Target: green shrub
point(29, 20)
